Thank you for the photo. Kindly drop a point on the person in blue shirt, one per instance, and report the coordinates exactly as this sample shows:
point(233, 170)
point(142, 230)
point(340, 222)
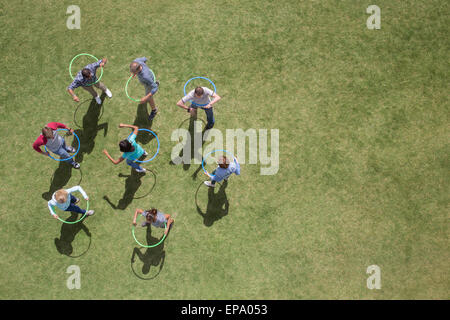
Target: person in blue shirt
point(132, 151)
point(140, 69)
point(224, 170)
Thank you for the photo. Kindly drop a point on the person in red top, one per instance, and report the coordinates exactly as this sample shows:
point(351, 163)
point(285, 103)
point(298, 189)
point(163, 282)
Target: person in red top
point(55, 143)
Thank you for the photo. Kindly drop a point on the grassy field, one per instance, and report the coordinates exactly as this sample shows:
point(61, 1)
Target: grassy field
point(363, 120)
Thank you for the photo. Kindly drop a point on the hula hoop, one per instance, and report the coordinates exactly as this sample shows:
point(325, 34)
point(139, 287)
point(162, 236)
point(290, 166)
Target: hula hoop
point(184, 89)
point(203, 160)
point(84, 54)
point(149, 246)
point(65, 159)
point(84, 215)
point(157, 150)
point(126, 86)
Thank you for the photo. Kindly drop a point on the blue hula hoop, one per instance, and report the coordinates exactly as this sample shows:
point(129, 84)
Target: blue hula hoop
point(157, 150)
point(184, 89)
point(203, 160)
point(65, 159)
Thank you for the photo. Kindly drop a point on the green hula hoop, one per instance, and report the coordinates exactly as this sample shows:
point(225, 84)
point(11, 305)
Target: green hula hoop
point(84, 215)
point(126, 86)
point(84, 54)
point(150, 246)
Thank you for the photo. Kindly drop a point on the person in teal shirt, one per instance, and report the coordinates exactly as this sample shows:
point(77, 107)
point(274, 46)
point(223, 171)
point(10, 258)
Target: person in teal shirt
point(132, 151)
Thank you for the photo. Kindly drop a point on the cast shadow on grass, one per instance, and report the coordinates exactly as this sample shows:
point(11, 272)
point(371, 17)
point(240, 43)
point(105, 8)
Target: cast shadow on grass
point(68, 232)
point(90, 129)
point(218, 204)
point(152, 257)
point(142, 121)
point(60, 178)
point(132, 184)
point(192, 133)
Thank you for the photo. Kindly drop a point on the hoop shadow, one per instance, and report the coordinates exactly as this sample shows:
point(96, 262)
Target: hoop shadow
point(132, 184)
point(218, 204)
point(151, 189)
point(68, 233)
point(78, 108)
point(151, 257)
point(60, 178)
point(90, 129)
point(192, 134)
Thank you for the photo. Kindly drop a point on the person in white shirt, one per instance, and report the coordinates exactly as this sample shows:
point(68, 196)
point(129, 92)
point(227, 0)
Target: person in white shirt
point(64, 200)
point(200, 97)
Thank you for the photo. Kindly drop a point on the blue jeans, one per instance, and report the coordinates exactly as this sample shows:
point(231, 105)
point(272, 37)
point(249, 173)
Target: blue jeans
point(209, 115)
point(74, 208)
point(133, 164)
point(62, 152)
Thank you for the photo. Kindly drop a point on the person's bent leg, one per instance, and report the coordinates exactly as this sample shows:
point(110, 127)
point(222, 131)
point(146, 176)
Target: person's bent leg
point(93, 93)
point(102, 87)
point(75, 208)
point(134, 165)
point(64, 155)
point(210, 117)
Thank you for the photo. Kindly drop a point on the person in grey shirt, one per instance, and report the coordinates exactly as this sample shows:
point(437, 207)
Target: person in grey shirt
point(200, 97)
point(140, 69)
point(155, 218)
point(86, 78)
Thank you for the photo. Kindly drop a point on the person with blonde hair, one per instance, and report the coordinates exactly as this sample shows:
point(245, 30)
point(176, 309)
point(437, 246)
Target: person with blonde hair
point(64, 200)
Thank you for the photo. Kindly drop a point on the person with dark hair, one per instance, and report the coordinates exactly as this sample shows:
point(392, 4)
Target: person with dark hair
point(200, 96)
point(86, 78)
point(224, 170)
point(130, 148)
point(140, 69)
point(155, 218)
point(55, 143)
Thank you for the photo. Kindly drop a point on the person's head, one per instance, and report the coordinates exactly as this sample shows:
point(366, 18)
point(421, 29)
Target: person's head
point(47, 133)
point(135, 67)
point(61, 196)
point(198, 92)
point(151, 214)
point(126, 146)
point(223, 162)
point(86, 73)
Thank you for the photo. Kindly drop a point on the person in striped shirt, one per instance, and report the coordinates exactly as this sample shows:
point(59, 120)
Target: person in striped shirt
point(65, 201)
point(55, 143)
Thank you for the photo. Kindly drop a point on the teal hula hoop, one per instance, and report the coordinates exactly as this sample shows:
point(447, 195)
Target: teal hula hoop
point(89, 55)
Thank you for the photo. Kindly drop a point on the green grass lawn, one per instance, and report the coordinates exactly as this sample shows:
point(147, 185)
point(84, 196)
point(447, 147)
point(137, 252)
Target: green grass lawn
point(363, 120)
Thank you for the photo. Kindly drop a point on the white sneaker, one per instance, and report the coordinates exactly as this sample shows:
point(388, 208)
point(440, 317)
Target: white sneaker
point(99, 101)
point(108, 93)
point(209, 184)
point(143, 170)
point(145, 153)
point(90, 213)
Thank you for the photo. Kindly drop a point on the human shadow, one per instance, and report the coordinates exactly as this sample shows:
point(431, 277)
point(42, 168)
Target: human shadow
point(142, 121)
point(218, 204)
point(152, 257)
point(149, 190)
point(132, 184)
point(90, 129)
point(193, 135)
point(68, 232)
point(60, 178)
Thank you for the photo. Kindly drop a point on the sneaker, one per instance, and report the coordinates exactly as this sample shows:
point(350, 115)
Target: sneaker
point(90, 213)
point(70, 149)
point(99, 101)
point(108, 93)
point(76, 200)
point(141, 170)
point(145, 153)
point(76, 165)
point(152, 114)
point(209, 184)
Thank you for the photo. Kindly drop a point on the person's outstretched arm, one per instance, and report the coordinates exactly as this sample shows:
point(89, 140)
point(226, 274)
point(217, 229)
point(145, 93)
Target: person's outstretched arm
point(135, 128)
point(110, 158)
point(138, 211)
point(169, 222)
point(216, 98)
point(80, 189)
